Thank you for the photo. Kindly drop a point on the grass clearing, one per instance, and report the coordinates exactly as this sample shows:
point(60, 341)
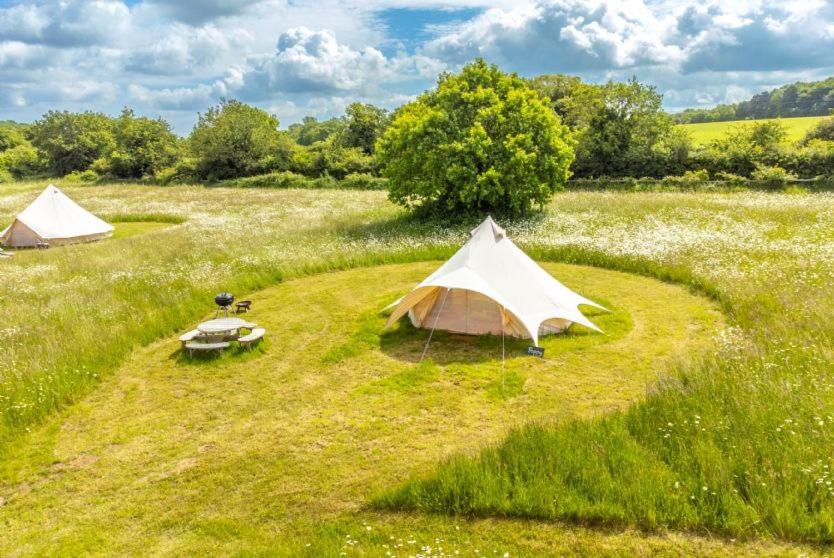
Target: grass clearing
point(257, 448)
point(703, 133)
point(126, 229)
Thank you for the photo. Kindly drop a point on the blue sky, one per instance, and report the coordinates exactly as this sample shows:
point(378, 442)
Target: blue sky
point(174, 58)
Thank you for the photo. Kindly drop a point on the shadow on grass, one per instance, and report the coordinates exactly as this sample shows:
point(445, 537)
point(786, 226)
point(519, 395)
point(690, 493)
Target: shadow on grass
point(406, 343)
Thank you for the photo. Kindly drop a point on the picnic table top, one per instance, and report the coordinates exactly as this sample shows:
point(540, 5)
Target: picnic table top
point(221, 325)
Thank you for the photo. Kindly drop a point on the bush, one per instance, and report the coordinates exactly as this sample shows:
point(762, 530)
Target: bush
point(183, 171)
point(88, 175)
point(689, 179)
point(364, 181)
point(286, 179)
point(20, 161)
point(824, 130)
point(731, 179)
point(772, 176)
point(482, 141)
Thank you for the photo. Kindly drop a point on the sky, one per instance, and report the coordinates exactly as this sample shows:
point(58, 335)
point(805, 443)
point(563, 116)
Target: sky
point(296, 58)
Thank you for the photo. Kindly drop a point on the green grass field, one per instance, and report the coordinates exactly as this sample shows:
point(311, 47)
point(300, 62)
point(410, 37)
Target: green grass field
point(706, 132)
point(714, 372)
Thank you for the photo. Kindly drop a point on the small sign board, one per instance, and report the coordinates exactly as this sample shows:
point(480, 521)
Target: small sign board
point(535, 351)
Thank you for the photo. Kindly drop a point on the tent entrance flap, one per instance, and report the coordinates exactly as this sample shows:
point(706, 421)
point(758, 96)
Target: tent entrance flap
point(465, 311)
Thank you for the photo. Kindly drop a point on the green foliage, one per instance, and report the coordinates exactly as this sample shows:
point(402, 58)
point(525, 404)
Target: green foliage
point(364, 181)
point(824, 130)
point(21, 160)
point(70, 141)
point(730, 178)
point(624, 132)
point(774, 176)
point(144, 146)
point(11, 137)
point(689, 179)
point(365, 123)
point(621, 127)
point(234, 139)
point(482, 141)
point(287, 179)
point(88, 175)
point(310, 130)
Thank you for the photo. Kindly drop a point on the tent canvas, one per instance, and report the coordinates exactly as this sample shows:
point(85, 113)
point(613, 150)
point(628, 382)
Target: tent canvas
point(491, 286)
point(54, 218)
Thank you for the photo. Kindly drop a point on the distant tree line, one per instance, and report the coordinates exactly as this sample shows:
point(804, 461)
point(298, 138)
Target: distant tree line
point(481, 139)
point(815, 98)
point(230, 140)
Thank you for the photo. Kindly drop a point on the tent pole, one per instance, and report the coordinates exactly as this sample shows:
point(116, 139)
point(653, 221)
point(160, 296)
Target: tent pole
point(502, 351)
point(436, 318)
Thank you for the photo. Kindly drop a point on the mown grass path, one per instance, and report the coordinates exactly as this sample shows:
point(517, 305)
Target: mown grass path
point(279, 449)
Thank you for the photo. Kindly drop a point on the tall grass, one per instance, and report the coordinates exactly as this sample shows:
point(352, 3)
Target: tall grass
point(738, 442)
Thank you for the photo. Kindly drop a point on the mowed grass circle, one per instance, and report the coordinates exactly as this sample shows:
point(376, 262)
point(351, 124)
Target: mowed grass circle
point(327, 411)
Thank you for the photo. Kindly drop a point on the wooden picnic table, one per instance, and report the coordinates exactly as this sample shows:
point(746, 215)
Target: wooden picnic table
point(224, 325)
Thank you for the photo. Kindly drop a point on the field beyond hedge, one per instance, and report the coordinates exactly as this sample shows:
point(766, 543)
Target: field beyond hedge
point(706, 132)
point(143, 454)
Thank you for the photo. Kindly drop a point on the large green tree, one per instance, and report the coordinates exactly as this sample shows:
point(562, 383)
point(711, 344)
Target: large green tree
point(144, 146)
point(621, 128)
point(234, 139)
point(482, 141)
point(364, 125)
point(71, 141)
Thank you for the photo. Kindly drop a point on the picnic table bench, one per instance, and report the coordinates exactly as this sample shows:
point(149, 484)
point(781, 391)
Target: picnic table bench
point(252, 337)
point(199, 346)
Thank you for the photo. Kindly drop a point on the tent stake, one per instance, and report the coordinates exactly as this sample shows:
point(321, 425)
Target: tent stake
point(437, 317)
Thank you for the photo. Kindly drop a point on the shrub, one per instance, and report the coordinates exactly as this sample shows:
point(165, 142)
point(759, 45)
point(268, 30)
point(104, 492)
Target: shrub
point(731, 179)
point(772, 176)
point(824, 130)
point(20, 160)
point(284, 179)
point(88, 175)
point(364, 181)
point(689, 179)
point(183, 171)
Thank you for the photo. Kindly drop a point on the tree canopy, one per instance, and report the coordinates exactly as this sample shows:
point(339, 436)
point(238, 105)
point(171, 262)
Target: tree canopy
point(235, 139)
point(482, 141)
point(71, 141)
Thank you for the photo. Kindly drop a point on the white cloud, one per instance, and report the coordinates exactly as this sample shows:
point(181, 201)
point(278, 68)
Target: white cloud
point(302, 57)
point(68, 23)
point(567, 35)
point(196, 12)
point(188, 50)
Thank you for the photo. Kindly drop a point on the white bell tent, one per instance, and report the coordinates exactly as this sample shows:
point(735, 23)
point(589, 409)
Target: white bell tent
point(491, 286)
point(54, 219)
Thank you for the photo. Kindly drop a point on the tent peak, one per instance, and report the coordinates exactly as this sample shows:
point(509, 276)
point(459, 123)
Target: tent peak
point(489, 226)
